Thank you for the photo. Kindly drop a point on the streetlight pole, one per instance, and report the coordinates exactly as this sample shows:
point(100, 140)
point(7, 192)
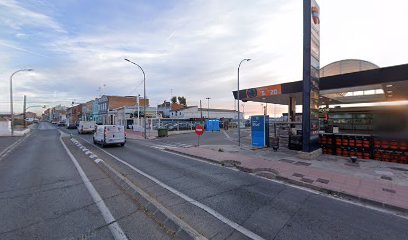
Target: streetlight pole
point(11, 96)
point(144, 95)
point(208, 107)
point(239, 126)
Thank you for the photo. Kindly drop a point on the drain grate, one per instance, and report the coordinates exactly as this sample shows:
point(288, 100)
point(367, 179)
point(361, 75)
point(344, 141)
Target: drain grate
point(386, 178)
point(286, 160)
point(298, 175)
point(303, 163)
point(307, 180)
point(322, 180)
point(388, 190)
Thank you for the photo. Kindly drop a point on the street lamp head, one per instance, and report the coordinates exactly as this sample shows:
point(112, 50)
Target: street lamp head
point(127, 59)
point(30, 70)
point(247, 59)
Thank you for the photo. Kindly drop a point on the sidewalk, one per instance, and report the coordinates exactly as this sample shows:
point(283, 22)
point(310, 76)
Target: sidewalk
point(379, 183)
point(137, 135)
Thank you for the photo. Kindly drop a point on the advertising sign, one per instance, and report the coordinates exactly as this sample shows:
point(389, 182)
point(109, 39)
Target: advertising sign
point(272, 90)
point(311, 69)
point(260, 130)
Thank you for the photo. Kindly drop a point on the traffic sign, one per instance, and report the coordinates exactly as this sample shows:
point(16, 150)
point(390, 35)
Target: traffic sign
point(199, 130)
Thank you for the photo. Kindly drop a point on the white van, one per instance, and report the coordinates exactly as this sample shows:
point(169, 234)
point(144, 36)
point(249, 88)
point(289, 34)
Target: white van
point(86, 127)
point(109, 134)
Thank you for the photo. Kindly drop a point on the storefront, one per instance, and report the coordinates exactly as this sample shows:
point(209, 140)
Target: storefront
point(373, 131)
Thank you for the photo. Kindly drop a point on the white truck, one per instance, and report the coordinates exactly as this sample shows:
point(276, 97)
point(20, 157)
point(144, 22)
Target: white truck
point(109, 135)
point(86, 127)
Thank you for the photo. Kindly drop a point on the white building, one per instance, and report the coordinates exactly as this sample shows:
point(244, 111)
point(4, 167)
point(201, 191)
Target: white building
point(128, 115)
point(194, 112)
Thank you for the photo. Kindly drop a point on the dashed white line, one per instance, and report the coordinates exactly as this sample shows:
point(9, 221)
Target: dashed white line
point(98, 160)
point(114, 227)
point(209, 210)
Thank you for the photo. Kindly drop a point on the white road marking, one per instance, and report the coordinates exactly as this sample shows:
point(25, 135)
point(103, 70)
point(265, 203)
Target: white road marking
point(209, 210)
point(114, 227)
point(226, 134)
point(10, 148)
point(98, 160)
point(356, 203)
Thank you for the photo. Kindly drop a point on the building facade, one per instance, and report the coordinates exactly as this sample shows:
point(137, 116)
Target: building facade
point(87, 111)
point(74, 114)
point(108, 104)
point(195, 112)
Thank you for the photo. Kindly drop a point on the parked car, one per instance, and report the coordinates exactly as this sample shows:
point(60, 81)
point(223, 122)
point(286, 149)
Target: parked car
point(54, 122)
point(86, 127)
point(109, 135)
point(61, 124)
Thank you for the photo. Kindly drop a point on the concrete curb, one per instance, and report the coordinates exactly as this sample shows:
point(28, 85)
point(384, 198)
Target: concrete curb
point(275, 175)
point(174, 225)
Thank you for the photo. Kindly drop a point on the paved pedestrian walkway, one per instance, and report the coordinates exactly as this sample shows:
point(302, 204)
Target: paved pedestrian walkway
point(380, 183)
point(137, 135)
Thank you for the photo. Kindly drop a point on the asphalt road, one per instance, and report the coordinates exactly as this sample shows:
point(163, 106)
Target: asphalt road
point(267, 209)
point(43, 196)
point(7, 141)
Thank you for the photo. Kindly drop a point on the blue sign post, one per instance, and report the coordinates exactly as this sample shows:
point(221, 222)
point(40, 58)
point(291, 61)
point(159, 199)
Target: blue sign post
point(260, 131)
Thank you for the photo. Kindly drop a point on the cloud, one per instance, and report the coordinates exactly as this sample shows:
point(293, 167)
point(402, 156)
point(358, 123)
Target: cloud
point(192, 47)
point(15, 16)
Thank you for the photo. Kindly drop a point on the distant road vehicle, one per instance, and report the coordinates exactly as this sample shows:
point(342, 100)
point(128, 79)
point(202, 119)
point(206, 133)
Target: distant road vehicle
point(109, 135)
point(86, 127)
point(61, 124)
point(54, 122)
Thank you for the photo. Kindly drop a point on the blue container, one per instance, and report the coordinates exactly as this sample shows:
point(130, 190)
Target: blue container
point(212, 125)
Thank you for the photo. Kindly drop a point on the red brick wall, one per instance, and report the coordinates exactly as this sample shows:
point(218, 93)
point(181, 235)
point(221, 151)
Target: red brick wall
point(117, 101)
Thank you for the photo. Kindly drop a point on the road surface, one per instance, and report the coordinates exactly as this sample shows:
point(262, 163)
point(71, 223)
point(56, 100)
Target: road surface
point(43, 196)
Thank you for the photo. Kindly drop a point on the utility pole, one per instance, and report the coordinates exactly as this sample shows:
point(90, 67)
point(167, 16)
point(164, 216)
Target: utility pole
point(208, 107)
point(24, 110)
point(201, 110)
point(138, 109)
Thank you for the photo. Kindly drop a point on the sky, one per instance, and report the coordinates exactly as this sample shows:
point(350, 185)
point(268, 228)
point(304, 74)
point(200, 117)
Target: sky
point(187, 48)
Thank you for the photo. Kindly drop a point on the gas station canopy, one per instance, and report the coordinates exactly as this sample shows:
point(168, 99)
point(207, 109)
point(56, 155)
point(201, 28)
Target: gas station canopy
point(342, 82)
